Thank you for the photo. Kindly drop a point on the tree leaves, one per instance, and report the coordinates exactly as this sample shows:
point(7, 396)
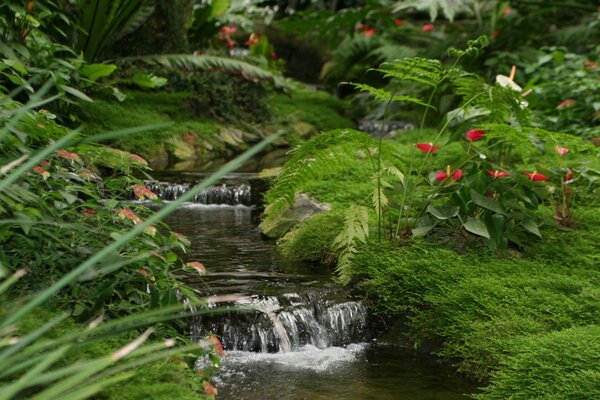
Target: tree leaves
point(476, 227)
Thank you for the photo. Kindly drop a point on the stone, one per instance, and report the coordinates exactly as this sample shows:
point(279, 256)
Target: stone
point(303, 208)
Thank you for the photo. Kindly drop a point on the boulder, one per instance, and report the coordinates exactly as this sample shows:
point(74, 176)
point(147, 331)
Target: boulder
point(303, 208)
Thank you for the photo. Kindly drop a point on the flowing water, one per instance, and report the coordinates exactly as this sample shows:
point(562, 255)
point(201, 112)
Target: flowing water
point(303, 336)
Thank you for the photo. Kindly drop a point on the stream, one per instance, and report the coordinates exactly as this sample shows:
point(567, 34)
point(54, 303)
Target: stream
point(305, 338)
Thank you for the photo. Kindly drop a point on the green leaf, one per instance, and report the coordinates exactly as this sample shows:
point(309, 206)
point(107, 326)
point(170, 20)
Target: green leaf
point(486, 202)
point(96, 71)
point(443, 212)
point(76, 93)
point(530, 226)
point(150, 81)
point(476, 227)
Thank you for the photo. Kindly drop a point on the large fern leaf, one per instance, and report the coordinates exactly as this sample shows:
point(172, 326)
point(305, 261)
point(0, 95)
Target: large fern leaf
point(190, 62)
point(356, 229)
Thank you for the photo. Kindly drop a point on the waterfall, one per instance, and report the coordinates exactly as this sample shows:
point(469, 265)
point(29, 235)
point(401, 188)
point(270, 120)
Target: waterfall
point(226, 193)
point(317, 323)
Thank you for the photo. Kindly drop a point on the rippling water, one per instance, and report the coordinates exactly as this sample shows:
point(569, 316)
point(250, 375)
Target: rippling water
point(239, 260)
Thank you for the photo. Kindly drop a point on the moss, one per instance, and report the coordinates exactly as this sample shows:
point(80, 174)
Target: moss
point(321, 110)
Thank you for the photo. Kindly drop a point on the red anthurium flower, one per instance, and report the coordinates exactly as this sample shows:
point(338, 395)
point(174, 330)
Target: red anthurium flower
point(124, 213)
point(427, 147)
point(569, 176)
point(41, 171)
point(89, 212)
point(536, 176)
point(495, 34)
point(217, 345)
point(44, 163)
point(67, 155)
point(142, 192)
point(565, 104)
point(441, 176)
point(368, 32)
point(561, 150)
point(457, 175)
point(143, 271)
point(474, 135)
point(228, 30)
point(399, 21)
point(498, 174)
point(252, 39)
point(427, 27)
point(208, 388)
point(197, 266)
point(506, 11)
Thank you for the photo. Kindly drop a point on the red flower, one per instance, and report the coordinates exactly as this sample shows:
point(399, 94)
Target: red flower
point(427, 147)
point(273, 56)
point(124, 213)
point(368, 32)
point(44, 163)
point(565, 104)
point(208, 388)
point(67, 155)
point(399, 21)
point(474, 135)
point(441, 176)
point(498, 174)
point(506, 11)
point(89, 212)
point(536, 176)
point(217, 345)
point(495, 34)
point(569, 176)
point(457, 175)
point(141, 192)
point(427, 27)
point(561, 150)
point(252, 39)
point(41, 171)
point(228, 30)
point(197, 266)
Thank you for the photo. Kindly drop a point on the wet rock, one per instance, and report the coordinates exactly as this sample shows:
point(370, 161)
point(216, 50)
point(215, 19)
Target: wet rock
point(303, 208)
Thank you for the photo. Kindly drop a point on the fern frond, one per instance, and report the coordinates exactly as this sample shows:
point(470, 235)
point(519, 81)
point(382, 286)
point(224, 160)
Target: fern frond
point(190, 62)
point(384, 96)
point(356, 228)
point(421, 70)
point(307, 162)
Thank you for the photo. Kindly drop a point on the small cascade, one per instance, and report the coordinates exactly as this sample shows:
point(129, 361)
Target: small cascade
point(227, 193)
point(320, 323)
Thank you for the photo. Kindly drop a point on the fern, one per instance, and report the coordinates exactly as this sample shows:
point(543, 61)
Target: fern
point(383, 95)
point(421, 70)
point(356, 228)
point(450, 8)
point(306, 163)
point(190, 62)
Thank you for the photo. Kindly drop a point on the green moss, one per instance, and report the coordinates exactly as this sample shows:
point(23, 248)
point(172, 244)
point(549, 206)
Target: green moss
point(321, 110)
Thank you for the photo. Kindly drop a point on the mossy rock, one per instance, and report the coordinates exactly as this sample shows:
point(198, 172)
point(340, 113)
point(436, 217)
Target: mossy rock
point(303, 208)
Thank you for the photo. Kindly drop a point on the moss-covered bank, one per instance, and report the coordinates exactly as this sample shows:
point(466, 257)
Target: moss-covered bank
point(195, 137)
point(523, 322)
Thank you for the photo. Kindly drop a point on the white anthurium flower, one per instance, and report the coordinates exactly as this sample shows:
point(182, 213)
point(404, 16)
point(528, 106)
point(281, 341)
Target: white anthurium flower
point(506, 82)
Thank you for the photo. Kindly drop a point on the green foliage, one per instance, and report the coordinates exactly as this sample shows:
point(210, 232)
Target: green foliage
point(450, 8)
point(356, 229)
point(103, 22)
point(188, 62)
